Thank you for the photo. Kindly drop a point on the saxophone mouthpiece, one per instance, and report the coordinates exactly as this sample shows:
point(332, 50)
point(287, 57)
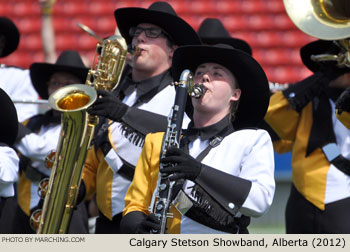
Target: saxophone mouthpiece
point(198, 90)
point(134, 50)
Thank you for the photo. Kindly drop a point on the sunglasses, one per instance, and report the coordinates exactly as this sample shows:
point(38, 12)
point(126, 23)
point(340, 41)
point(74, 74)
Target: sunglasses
point(150, 32)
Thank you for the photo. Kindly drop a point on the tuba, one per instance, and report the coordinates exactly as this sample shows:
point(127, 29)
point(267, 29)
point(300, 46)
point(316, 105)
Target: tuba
point(76, 134)
point(326, 20)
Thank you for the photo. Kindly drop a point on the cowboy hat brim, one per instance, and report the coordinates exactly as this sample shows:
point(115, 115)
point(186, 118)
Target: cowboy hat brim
point(12, 36)
point(181, 32)
point(8, 114)
point(40, 73)
point(250, 76)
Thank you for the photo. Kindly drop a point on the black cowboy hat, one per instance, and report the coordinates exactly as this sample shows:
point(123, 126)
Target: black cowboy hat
point(160, 14)
point(250, 76)
point(212, 31)
point(8, 115)
point(68, 61)
point(315, 48)
point(9, 29)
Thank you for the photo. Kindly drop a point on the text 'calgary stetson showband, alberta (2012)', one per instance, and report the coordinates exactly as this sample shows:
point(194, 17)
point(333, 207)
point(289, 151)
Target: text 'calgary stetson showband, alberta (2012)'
point(240, 242)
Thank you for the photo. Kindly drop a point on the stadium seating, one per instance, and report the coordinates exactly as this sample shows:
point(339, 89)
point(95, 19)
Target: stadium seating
point(263, 24)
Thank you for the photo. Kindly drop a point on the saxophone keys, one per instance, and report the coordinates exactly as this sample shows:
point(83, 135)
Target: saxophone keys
point(35, 218)
point(43, 187)
point(50, 159)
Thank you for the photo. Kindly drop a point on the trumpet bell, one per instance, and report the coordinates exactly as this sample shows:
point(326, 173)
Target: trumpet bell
point(323, 19)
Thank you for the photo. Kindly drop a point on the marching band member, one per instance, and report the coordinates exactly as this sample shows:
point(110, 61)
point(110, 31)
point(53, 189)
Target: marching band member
point(224, 162)
point(304, 114)
point(8, 156)
point(145, 99)
point(15, 81)
point(40, 136)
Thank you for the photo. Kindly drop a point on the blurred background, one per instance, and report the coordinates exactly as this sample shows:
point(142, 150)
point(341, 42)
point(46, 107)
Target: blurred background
point(264, 24)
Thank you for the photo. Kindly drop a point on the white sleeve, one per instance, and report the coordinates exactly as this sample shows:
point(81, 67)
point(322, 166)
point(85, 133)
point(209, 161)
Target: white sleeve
point(17, 84)
point(8, 170)
point(38, 146)
point(258, 167)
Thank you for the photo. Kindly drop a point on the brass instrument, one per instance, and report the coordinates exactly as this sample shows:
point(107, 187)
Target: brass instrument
point(326, 20)
point(88, 30)
point(161, 200)
point(76, 133)
point(133, 50)
point(323, 19)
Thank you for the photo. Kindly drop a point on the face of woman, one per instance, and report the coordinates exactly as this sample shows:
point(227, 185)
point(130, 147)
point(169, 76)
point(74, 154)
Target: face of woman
point(221, 89)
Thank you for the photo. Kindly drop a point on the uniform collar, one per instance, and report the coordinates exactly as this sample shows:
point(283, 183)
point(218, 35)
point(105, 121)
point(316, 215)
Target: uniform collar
point(207, 132)
point(144, 86)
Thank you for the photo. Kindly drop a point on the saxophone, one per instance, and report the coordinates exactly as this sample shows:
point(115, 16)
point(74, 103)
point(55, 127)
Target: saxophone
point(161, 199)
point(76, 134)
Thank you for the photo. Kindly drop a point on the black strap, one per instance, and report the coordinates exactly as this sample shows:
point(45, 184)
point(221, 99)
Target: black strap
point(342, 164)
point(214, 142)
point(322, 131)
point(127, 170)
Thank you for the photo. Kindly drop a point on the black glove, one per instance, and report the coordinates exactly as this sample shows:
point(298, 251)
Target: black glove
point(109, 106)
point(180, 165)
point(301, 93)
point(343, 102)
point(148, 225)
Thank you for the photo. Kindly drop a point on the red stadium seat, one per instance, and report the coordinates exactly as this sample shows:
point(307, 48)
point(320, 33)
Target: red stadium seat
point(295, 38)
point(259, 22)
point(277, 56)
point(100, 8)
point(282, 22)
point(5, 9)
point(227, 7)
point(29, 25)
point(25, 8)
point(274, 6)
point(61, 24)
point(70, 8)
point(66, 41)
point(32, 42)
point(234, 23)
point(264, 24)
point(106, 24)
point(87, 42)
point(286, 74)
point(250, 7)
